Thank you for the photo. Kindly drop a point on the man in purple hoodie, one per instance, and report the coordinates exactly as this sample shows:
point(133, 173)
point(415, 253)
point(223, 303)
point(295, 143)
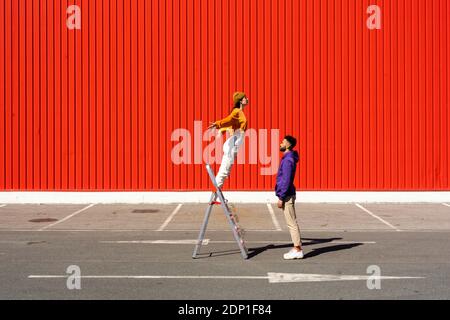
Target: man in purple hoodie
point(285, 191)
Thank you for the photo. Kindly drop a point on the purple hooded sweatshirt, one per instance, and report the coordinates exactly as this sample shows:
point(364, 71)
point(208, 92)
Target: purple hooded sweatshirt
point(286, 174)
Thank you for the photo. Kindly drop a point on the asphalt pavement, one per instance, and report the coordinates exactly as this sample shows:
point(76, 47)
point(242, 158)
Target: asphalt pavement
point(352, 251)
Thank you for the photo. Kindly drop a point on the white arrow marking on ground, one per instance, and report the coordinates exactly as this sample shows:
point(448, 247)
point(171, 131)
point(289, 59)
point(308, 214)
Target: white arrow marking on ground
point(207, 241)
point(304, 277)
point(272, 277)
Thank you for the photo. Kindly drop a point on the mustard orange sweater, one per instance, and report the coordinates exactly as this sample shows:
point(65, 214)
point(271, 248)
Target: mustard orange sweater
point(236, 120)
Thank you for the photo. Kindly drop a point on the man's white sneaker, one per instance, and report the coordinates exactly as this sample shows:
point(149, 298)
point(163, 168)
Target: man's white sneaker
point(293, 254)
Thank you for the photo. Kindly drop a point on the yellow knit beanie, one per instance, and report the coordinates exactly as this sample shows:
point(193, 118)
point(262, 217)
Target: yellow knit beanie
point(237, 97)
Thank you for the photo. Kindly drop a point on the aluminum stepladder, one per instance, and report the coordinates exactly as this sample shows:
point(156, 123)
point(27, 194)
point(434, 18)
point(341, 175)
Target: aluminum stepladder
point(234, 227)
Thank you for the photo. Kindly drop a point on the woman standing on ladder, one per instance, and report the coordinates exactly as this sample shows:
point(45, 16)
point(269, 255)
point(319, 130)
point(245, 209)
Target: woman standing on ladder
point(236, 124)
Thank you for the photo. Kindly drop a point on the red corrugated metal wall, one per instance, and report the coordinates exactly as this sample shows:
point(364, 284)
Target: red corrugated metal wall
point(94, 109)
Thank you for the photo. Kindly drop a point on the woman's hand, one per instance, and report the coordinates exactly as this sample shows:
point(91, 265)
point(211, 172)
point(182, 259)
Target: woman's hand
point(212, 125)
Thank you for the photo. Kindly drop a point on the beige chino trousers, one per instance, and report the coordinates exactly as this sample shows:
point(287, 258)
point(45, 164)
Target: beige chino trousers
point(291, 220)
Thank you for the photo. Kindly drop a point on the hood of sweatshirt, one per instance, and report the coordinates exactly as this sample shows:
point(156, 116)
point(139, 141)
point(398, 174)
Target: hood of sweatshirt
point(291, 155)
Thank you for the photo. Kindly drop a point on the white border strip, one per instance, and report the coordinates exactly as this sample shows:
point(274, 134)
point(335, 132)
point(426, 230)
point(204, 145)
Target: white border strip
point(68, 217)
point(60, 197)
point(376, 217)
point(2, 205)
point(446, 204)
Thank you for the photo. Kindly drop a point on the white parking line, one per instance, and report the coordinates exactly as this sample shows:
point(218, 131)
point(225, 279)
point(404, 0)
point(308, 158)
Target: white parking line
point(148, 277)
point(446, 204)
point(68, 217)
point(2, 205)
point(274, 218)
point(377, 217)
point(164, 225)
point(140, 230)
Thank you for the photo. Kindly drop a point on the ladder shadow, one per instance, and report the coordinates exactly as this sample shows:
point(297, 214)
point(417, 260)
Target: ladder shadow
point(217, 253)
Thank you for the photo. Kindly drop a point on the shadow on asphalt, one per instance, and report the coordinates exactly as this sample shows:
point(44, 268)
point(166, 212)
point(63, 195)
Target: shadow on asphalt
point(217, 254)
point(316, 252)
point(306, 242)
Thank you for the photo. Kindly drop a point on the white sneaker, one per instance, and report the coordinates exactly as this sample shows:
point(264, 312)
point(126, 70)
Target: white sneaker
point(293, 254)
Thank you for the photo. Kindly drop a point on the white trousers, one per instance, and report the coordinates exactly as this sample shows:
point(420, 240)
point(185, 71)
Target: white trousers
point(230, 150)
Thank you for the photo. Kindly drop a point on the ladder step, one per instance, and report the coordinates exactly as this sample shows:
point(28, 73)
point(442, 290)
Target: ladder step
point(218, 202)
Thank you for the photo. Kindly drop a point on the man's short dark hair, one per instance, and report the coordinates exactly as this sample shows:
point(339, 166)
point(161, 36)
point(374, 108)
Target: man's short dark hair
point(292, 141)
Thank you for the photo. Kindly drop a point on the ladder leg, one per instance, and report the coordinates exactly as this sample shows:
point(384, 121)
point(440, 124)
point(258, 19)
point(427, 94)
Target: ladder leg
point(201, 235)
point(236, 235)
point(228, 213)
